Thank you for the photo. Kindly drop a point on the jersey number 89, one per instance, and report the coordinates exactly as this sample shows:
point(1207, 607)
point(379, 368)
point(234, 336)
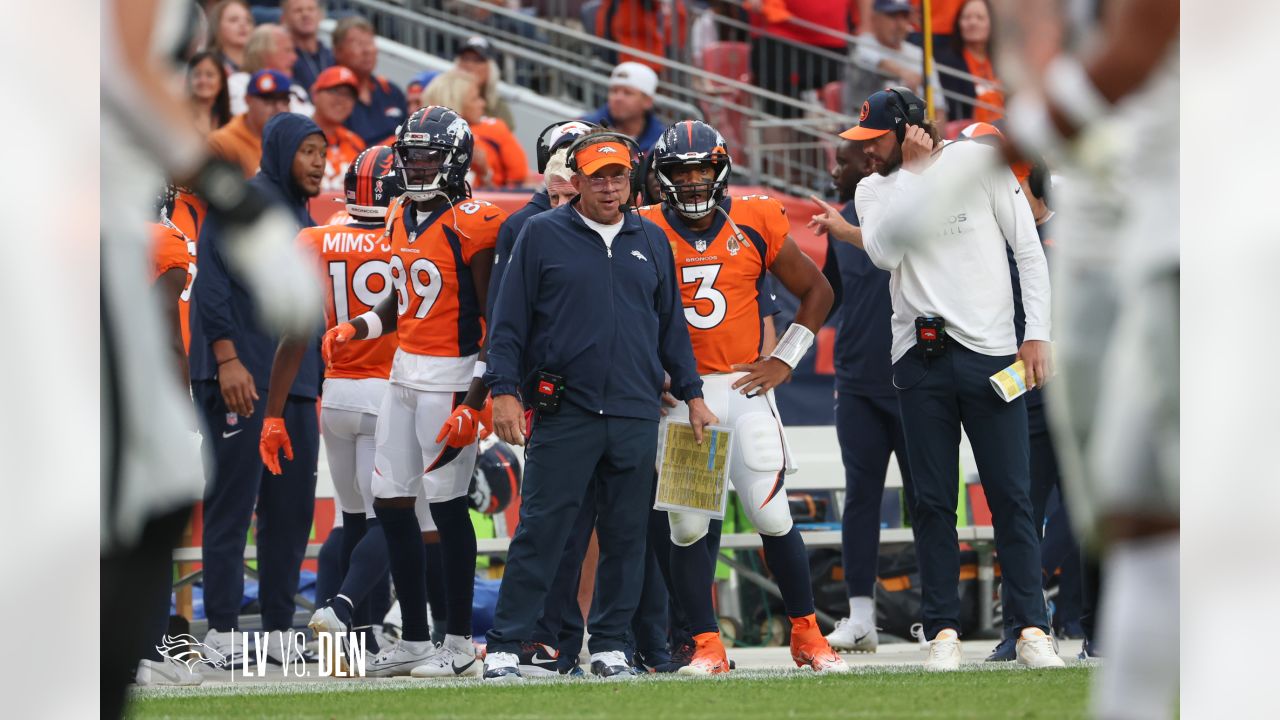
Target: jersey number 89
point(426, 280)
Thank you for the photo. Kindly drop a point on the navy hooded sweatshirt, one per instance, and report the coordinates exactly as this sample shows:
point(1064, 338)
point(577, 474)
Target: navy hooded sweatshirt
point(607, 320)
point(221, 306)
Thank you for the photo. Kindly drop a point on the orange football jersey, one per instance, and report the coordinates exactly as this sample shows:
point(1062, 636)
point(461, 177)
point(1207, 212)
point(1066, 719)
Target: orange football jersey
point(440, 314)
point(173, 250)
point(720, 273)
point(188, 213)
point(356, 260)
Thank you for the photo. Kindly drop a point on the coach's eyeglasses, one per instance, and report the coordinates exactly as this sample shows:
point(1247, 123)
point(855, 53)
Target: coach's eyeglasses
point(600, 183)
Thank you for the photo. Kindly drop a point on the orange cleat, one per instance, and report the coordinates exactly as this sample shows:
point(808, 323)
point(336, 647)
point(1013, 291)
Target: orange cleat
point(810, 649)
point(709, 658)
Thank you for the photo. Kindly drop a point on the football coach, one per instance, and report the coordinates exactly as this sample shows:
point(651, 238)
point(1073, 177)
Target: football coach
point(588, 317)
point(938, 217)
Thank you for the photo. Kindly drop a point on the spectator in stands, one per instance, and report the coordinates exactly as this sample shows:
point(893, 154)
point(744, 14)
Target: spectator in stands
point(240, 141)
point(207, 92)
point(507, 163)
point(230, 23)
point(645, 25)
point(380, 105)
point(476, 58)
point(269, 48)
point(969, 50)
point(630, 106)
point(302, 19)
point(334, 93)
point(884, 57)
point(789, 68)
point(413, 91)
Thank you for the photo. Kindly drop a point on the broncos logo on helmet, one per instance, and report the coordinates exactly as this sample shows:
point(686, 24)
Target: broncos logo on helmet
point(433, 152)
point(372, 182)
point(692, 143)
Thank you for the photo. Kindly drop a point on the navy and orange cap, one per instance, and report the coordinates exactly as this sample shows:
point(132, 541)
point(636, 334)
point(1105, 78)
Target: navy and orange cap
point(876, 119)
point(595, 156)
point(268, 83)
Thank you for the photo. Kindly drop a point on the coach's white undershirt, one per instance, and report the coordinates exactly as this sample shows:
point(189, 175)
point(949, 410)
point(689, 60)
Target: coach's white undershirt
point(942, 236)
point(606, 232)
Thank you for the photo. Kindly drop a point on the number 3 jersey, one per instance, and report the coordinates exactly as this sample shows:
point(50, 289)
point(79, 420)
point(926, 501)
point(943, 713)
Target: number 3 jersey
point(721, 273)
point(441, 319)
point(356, 261)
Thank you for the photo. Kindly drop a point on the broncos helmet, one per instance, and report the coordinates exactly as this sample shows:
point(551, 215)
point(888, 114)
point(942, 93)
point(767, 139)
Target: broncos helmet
point(558, 135)
point(690, 143)
point(496, 479)
point(372, 183)
point(433, 153)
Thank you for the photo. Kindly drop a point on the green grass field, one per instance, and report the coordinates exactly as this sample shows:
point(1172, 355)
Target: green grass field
point(982, 692)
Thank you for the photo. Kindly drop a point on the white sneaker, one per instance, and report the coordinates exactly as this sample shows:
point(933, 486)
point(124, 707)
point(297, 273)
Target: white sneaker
point(1038, 650)
point(944, 652)
point(456, 657)
point(611, 665)
point(502, 667)
point(166, 672)
point(325, 620)
point(853, 637)
point(400, 659)
point(917, 632)
point(224, 650)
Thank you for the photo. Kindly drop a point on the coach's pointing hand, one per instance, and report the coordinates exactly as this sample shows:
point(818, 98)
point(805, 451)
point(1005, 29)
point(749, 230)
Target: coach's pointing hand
point(700, 416)
point(508, 419)
point(830, 221)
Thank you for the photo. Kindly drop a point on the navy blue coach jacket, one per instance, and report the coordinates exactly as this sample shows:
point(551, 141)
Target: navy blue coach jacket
point(221, 307)
point(608, 321)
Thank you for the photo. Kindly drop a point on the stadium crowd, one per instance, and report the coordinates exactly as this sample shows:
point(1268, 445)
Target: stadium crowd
point(302, 118)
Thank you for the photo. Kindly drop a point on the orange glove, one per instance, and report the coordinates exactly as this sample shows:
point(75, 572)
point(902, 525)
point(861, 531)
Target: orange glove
point(486, 418)
point(337, 334)
point(460, 429)
point(274, 438)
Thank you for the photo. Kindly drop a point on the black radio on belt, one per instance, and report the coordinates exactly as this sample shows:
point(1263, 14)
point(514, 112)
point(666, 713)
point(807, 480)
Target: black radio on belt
point(547, 389)
point(931, 336)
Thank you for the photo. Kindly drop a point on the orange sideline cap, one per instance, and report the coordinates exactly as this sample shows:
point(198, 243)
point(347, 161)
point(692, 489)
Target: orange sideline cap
point(598, 155)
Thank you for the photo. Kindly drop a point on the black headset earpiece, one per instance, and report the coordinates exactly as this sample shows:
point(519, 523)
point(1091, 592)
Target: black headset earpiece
point(637, 155)
point(909, 108)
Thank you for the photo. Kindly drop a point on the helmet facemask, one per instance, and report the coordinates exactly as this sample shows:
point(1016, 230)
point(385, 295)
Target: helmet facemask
point(425, 169)
point(694, 200)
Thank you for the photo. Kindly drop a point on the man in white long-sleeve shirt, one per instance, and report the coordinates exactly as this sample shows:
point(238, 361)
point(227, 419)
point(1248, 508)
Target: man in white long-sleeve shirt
point(938, 218)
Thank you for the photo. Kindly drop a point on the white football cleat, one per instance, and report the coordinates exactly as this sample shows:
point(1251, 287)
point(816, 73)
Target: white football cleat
point(455, 657)
point(400, 659)
point(944, 652)
point(502, 667)
point(166, 671)
point(1037, 650)
point(851, 637)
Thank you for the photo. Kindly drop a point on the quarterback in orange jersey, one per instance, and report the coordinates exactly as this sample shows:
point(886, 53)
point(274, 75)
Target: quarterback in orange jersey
point(442, 248)
point(723, 246)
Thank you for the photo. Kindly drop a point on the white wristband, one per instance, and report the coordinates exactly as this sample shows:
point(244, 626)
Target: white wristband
point(480, 369)
point(1073, 93)
point(795, 342)
point(374, 323)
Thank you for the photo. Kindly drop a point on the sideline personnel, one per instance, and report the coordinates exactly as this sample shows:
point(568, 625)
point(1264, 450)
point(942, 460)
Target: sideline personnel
point(939, 222)
point(589, 304)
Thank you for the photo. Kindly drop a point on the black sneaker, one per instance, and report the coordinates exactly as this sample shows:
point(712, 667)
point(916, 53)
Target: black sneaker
point(537, 660)
point(570, 669)
point(680, 656)
point(1006, 651)
point(611, 665)
point(650, 661)
point(1088, 651)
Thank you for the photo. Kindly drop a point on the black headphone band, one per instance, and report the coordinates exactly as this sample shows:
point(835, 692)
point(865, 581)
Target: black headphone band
point(572, 162)
point(905, 109)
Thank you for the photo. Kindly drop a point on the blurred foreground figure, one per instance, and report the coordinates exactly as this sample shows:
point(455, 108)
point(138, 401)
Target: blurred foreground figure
point(1110, 115)
point(151, 465)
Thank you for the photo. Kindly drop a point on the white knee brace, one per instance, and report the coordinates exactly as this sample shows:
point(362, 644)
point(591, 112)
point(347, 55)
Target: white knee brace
point(758, 479)
point(687, 528)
